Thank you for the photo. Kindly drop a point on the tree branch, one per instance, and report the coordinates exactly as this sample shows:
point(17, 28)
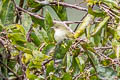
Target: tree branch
point(62, 4)
point(54, 21)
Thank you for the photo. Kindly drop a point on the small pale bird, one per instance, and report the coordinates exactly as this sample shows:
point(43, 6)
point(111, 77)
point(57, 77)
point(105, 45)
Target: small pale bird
point(62, 31)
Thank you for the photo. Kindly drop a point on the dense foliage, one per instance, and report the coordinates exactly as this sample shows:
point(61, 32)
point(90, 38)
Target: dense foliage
point(28, 50)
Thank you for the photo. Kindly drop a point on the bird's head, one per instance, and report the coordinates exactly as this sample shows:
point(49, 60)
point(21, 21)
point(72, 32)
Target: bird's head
point(59, 26)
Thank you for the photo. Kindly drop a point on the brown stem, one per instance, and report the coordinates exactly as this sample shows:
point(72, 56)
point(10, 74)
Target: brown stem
point(22, 65)
point(55, 21)
point(28, 33)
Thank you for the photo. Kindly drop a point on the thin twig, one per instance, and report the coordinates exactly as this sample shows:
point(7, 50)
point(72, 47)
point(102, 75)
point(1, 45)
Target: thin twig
point(98, 48)
point(44, 68)
point(68, 5)
point(80, 20)
point(62, 4)
point(108, 10)
point(22, 65)
point(54, 21)
point(41, 47)
point(28, 33)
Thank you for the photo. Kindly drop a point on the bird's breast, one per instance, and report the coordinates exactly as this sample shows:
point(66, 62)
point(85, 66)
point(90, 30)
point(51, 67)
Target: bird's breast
point(59, 35)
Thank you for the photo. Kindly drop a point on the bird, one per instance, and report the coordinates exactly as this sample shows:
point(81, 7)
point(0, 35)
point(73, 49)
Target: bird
point(62, 31)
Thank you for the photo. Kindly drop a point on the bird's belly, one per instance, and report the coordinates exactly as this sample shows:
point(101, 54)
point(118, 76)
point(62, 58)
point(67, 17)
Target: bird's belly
point(59, 36)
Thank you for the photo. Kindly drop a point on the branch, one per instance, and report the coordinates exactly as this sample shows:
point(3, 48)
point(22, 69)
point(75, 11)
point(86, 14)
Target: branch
point(80, 20)
point(22, 65)
point(42, 18)
point(44, 68)
point(54, 21)
point(103, 48)
point(28, 34)
point(69, 5)
point(62, 4)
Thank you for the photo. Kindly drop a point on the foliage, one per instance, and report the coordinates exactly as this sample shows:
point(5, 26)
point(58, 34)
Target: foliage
point(28, 50)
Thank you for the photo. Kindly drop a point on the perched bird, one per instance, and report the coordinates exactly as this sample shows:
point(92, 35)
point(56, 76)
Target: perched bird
point(62, 31)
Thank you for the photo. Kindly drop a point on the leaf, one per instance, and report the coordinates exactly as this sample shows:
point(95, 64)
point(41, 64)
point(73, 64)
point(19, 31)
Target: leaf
point(111, 3)
point(81, 63)
point(48, 48)
point(106, 73)
point(61, 49)
point(17, 38)
point(50, 67)
point(68, 61)
point(25, 50)
point(67, 76)
point(38, 59)
point(21, 28)
point(87, 46)
point(9, 18)
point(105, 62)
point(96, 13)
point(81, 29)
point(97, 39)
point(26, 58)
point(35, 38)
point(38, 21)
point(100, 26)
point(15, 28)
point(61, 12)
point(93, 59)
point(116, 47)
point(33, 4)
point(30, 75)
point(4, 10)
point(48, 21)
point(48, 24)
point(1, 27)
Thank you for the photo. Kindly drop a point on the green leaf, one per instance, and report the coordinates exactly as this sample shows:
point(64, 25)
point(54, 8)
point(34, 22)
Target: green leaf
point(9, 18)
point(38, 21)
point(48, 24)
point(93, 58)
point(26, 50)
point(100, 26)
point(81, 29)
point(97, 39)
point(67, 76)
point(48, 48)
point(116, 47)
point(68, 61)
point(61, 49)
point(48, 21)
point(1, 27)
point(17, 38)
point(50, 67)
point(33, 4)
point(35, 38)
point(111, 3)
point(106, 73)
point(61, 12)
point(30, 75)
point(96, 13)
point(4, 10)
point(81, 63)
